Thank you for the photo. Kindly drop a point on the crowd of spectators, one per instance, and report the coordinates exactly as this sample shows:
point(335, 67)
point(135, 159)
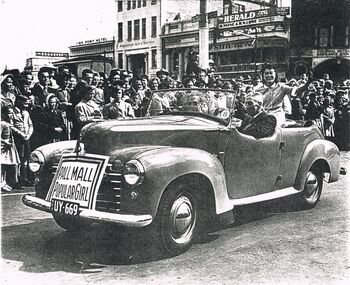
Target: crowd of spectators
point(57, 106)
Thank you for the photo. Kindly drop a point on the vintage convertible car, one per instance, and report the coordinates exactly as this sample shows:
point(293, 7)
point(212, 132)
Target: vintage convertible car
point(183, 162)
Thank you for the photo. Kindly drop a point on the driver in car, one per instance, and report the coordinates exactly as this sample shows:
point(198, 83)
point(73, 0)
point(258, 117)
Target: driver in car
point(195, 104)
point(257, 122)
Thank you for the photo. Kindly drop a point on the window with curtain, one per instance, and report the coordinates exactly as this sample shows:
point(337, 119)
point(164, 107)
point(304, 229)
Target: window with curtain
point(136, 29)
point(154, 26)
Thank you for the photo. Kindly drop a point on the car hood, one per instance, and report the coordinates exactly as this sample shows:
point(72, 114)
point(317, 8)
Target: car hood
point(127, 137)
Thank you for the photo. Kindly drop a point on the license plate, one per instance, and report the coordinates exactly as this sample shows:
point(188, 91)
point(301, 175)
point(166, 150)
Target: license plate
point(64, 207)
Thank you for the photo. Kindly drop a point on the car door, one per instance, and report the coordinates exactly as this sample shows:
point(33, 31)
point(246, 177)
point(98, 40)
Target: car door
point(251, 165)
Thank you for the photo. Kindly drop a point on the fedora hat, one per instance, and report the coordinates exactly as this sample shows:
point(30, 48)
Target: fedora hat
point(162, 71)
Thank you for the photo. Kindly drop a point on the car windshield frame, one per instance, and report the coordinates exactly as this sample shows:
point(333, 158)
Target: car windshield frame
point(203, 102)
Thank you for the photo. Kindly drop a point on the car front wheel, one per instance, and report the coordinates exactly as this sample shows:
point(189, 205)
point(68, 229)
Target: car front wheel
point(311, 193)
point(176, 220)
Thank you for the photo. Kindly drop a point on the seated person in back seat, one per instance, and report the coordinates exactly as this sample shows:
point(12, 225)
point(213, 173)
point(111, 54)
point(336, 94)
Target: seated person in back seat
point(257, 122)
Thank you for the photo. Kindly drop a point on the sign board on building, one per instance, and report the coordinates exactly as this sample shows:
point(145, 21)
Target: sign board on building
point(100, 40)
point(249, 22)
point(244, 44)
point(51, 54)
point(333, 52)
point(231, 45)
point(251, 30)
point(283, 11)
point(251, 17)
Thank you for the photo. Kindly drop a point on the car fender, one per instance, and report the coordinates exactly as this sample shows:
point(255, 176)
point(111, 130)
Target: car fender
point(326, 153)
point(163, 166)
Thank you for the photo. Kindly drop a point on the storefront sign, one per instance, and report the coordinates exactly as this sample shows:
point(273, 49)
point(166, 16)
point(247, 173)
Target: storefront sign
point(137, 44)
point(283, 11)
point(231, 46)
point(51, 54)
point(248, 22)
point(333, 52)
point(251, 30)
point(100, 40)
point(244, 44)
point(251, 17)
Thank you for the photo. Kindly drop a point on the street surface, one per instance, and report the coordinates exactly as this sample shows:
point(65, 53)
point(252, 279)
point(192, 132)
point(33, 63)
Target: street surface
point(271, 243)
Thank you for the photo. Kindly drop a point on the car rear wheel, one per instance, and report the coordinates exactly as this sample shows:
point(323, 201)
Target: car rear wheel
point(311, 193)
point(70, 224)
point(176, 221)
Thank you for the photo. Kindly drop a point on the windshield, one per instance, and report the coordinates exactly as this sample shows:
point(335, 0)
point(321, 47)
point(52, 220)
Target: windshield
point(216, 103)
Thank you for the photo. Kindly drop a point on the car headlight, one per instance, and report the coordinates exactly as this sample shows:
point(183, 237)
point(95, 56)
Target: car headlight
point(36, 161)
point(134, 172)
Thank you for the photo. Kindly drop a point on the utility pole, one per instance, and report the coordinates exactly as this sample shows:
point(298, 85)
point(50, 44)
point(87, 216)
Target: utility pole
point(256, 51)
point(203, 35)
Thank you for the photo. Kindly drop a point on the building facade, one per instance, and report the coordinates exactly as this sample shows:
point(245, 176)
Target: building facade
point(97, 54)
point(243, 36)
point(320, 38)
point(139, 26)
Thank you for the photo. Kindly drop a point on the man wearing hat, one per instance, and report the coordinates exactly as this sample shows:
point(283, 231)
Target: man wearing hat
point(257, 123)
point(163, 76)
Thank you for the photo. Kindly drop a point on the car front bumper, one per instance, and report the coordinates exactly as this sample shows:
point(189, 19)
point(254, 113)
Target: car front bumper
point(119, 219)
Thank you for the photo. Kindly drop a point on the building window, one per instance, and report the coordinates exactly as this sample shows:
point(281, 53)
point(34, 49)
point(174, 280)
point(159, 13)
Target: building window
point(134, 4)
point(316, 37)
point(120, 32)
point(154, 27)
point(143, 28)
point(153, 2)
point(120, 5)
point(129, 5)
point(324, 37)
point(154, 58)
point(143, 3)
point(237, 8)
point(226, 9)
point(136, 29)
point(176, 62)
point(120, 60)
point(129, 30)
point(139, 3)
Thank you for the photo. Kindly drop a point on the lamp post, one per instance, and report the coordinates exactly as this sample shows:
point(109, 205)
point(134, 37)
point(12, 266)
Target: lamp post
point(203, 35)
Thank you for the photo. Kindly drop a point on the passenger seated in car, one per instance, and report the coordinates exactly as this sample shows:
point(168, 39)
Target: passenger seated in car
point(257, 122)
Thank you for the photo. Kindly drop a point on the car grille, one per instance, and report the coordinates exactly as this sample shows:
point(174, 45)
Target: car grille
point(110, 192)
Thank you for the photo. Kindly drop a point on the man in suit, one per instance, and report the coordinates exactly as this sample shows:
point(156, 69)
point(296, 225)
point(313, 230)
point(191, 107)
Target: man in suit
point(257, 122)
point(41, 89)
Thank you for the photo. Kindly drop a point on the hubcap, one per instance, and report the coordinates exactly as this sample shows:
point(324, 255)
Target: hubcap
point(311, 187)
point(182, 220)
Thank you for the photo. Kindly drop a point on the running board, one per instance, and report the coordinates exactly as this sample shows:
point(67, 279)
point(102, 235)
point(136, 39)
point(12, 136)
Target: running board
point(264, 197)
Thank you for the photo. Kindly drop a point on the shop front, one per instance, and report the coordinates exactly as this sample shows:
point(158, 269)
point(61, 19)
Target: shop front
point(246, 57)
point(335, 62)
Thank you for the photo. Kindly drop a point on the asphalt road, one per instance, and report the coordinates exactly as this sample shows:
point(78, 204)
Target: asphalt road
point(270, 244)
